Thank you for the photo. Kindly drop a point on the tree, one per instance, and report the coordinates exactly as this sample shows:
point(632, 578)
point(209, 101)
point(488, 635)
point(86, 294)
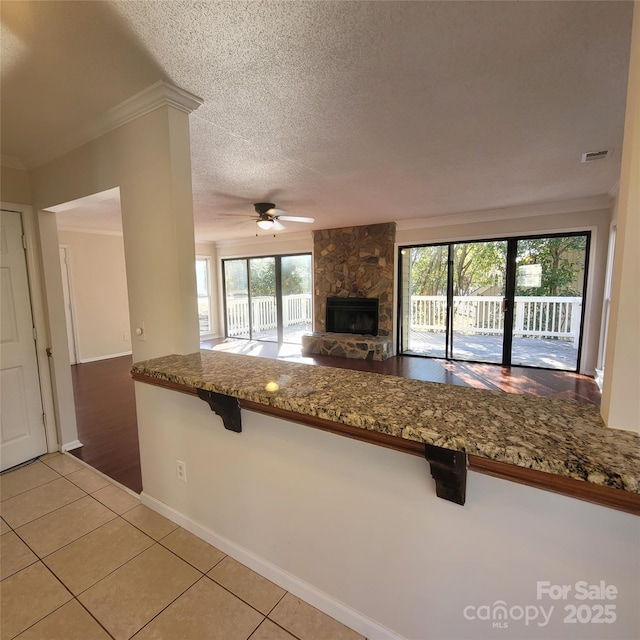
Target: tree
point(296, 275)
point(562, 265)
point(475, 265)
point(295, 270)
point(262, 276)
point(428, 268)
point(478, 264)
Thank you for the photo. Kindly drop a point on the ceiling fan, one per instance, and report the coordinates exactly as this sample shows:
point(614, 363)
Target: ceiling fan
point(268, 217)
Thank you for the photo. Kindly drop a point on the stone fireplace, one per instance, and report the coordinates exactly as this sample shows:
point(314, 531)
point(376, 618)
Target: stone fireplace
point(355, 264)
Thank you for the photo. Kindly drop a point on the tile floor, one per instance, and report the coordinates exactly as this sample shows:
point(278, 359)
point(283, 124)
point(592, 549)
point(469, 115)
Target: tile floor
point(81, 559)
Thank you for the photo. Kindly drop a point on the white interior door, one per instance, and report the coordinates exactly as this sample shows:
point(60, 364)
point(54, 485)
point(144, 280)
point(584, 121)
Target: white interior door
point(22, 433)
point(68, 304)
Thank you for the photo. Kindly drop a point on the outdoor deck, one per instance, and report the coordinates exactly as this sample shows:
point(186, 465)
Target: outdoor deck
point(547, 353)
point(546, 330)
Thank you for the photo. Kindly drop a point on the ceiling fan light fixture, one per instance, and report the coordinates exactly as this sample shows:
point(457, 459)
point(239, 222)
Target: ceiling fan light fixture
point(265, 224)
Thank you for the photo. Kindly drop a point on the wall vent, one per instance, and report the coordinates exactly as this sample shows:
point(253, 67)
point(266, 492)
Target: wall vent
point(590, 156)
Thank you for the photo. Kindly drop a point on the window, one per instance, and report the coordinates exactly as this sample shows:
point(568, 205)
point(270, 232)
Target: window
point(203, 285)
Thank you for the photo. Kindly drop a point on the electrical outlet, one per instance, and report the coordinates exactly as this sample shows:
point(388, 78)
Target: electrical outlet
point(125, 337)
point(181, 470)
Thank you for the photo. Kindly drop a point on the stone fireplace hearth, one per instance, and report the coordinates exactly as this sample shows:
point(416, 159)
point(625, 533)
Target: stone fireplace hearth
point(347, 345)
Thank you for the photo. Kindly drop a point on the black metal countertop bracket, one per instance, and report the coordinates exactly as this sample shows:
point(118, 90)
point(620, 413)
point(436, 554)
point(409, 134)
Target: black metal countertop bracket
point(227, 407)
point(449, 470)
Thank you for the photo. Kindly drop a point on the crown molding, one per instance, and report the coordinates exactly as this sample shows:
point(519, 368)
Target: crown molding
point(158, 95)
point(615, 190)
point(593, 203)
point(13, 162)
point(89, 230)
point(263, 244)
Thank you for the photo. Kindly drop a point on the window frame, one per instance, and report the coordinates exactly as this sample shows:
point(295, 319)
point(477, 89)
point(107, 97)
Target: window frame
point(208, 297)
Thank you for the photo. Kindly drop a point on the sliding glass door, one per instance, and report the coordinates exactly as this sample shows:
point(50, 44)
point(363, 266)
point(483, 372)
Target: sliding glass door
point(426, 300)
point(236, 284)
point(509, 301)
point(262, 290)
point(478, 271)
point(296, 297)
point(268, 298)
point(549, 290)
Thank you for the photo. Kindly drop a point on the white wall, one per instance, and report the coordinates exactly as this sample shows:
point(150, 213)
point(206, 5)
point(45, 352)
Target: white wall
point(99, 288)
point(14, 185)
point(296, 242)
point(358, 531)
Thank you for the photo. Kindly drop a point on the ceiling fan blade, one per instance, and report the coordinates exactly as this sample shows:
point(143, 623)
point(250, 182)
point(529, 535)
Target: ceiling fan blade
point(236, 215)
point(296, 219)
point(276, 212)
point(277, 225)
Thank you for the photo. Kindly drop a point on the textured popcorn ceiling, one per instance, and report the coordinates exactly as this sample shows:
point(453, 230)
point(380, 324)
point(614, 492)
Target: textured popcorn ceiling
point(351, 112)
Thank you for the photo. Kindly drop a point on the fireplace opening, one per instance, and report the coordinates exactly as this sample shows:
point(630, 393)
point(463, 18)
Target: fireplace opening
point(352, 315)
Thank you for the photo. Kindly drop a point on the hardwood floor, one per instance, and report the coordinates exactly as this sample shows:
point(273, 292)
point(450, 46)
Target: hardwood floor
point(106, 416)
point(560, 385)
point(106, 412)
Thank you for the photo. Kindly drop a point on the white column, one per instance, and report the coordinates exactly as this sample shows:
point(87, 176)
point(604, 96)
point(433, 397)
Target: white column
point(157, 218)
point(621, 386)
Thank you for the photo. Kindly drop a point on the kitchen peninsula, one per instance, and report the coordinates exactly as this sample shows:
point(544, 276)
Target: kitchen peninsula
point(556, 445)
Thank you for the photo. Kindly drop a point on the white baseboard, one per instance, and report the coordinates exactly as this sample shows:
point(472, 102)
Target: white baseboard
point(599, 376)
point(70, 446)
point(112, 355)
point(307, 592)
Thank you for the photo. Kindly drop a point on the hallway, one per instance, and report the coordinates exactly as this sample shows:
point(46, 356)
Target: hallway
point(106, 416)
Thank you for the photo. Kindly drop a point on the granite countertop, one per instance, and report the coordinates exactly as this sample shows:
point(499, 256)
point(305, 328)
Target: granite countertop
point(555, 436)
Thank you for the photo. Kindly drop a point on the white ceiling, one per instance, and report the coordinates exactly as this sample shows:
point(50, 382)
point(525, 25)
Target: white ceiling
point(350, 112)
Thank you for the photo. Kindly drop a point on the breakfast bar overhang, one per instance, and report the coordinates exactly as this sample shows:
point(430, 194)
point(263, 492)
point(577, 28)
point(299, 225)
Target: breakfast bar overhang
point(554, 445)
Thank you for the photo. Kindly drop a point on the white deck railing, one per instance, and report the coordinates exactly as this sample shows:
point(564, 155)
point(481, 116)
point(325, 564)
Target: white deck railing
point(296, 309)
point(546, 317)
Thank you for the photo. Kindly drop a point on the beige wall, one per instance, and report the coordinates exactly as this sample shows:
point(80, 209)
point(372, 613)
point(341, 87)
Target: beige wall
point(358, 531)
point(620, 402)
point(149, 159)
point(99, 294)
point(14, 186)
point(299, 242)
